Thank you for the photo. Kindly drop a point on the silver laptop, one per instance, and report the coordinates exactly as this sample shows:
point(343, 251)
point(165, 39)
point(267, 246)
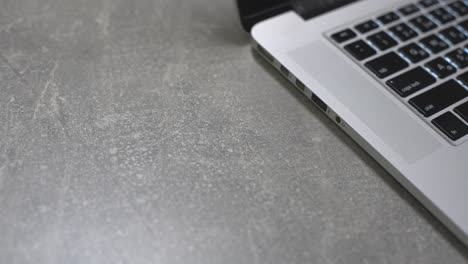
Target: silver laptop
point(392, 74)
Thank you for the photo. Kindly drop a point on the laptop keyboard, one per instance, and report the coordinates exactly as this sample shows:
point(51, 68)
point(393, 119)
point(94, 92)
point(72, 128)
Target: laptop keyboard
point(419, 51)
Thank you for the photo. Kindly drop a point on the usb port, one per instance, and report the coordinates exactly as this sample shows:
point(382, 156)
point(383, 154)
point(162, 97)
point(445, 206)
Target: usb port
point(284, 71)
point(300, 85)
point(319, 102)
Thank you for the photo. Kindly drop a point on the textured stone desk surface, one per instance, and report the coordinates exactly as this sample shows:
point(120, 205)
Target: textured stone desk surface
point(147, 131)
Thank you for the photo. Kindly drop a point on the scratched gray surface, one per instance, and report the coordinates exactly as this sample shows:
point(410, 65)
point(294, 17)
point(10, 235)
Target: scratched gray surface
point(147, 131)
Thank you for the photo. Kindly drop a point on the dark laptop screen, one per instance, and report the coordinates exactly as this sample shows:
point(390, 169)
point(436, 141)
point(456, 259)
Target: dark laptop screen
point(253, 11)
point(256, 6)
point(311, 8)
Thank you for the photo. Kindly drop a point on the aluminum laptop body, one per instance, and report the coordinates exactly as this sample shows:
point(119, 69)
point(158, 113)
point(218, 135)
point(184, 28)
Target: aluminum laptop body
point(416, 146)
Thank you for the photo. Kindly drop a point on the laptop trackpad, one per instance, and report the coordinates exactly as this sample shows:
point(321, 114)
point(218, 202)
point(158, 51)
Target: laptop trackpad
point(398, 129)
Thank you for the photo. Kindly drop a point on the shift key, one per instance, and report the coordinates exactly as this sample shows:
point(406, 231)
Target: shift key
point(411, 81)
point(439, 98)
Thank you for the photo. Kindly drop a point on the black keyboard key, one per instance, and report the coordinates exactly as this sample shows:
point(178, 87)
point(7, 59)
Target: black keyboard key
point(428, 3)
point(464, 25)
point(344, 35)
point(462, 111)
point(408, 9)
point(463, 78)
point(454, 35)
point(459, 57)
point(386, 65)
point(411, 81)
point(403, 32)
point(459, 8)
point(382, 40)
point(434, 44)
point(441, 68)
point(439, 98)
point(423, 24)
point(367, 26)
point(360, 50)
point(442, 15)
point(388, 18)
point(414, 53)
point(451, 126)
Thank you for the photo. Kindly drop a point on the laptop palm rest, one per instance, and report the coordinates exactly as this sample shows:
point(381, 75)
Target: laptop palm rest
point(398, 130)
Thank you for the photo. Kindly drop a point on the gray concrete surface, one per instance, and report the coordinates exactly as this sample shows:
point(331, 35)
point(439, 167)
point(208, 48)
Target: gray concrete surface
point(147, 131)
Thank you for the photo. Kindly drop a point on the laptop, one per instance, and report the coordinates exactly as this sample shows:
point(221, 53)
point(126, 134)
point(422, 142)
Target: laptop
point(392, 74)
